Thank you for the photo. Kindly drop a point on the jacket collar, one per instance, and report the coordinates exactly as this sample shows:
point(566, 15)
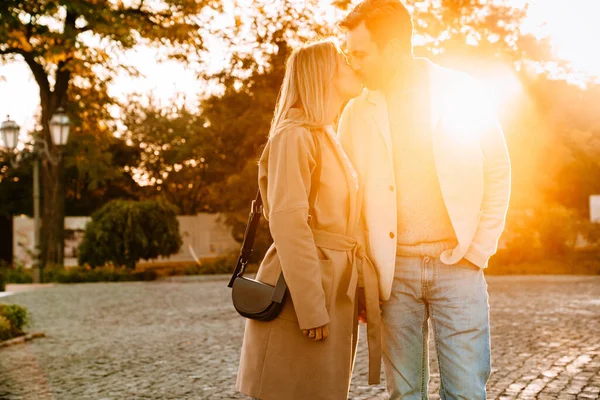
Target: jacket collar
point(377, 99)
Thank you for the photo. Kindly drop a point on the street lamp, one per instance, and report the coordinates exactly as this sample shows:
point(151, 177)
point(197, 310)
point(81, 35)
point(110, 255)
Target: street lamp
point(59, 134)
point(10, 133)
point(59, 127)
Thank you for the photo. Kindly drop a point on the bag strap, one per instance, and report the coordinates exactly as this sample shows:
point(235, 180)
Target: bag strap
point(256, 212)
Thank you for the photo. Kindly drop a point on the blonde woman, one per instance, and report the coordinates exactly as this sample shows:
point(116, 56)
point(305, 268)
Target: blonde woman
point(308, 351)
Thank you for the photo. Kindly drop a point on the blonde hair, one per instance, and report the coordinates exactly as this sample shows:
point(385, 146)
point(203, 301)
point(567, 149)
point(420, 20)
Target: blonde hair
point(307, 85)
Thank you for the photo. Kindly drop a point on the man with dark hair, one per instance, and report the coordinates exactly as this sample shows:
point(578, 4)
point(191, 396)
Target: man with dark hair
point(435, 169)
point(379, 21)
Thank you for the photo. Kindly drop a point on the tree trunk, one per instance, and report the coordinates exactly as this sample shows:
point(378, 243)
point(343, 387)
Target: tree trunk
point(53, 213)
point(52, 176)
point(53, 200)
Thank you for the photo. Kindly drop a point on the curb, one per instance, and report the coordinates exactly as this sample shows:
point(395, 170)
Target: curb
point(22, 339)
point(26, 287)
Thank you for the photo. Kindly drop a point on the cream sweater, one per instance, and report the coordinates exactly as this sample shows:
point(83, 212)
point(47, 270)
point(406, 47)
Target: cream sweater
point(424, 226)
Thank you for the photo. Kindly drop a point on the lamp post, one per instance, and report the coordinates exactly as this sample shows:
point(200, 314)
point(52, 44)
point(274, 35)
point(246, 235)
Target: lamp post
point(59, 127)
point(59, 132)
point(10, 133)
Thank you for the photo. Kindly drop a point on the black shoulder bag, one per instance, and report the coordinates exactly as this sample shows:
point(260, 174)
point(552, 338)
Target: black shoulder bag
point(251, 298)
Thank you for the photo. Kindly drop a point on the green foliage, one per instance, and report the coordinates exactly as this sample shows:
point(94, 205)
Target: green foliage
point(522, 239)
point(5, 331)
point(580, 262)
point(564, 142)
point(98, 274)
point(16, 187)
point(548, 232)
point(238, 208)
point(207, 266)
point(240, 117)
point(17, 316)
point(14, 274)
point(124, 232)
point(178, 156)
point(464, 27)
point(96, 172)
point(59, 274)
point(73, 50)
point(558, 229)
point(206, 162)
point(19, 274)
point(221, 265)
point(591, 233)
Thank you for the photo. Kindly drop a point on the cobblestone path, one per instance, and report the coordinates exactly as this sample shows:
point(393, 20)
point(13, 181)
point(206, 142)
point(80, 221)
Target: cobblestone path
point(181, 340)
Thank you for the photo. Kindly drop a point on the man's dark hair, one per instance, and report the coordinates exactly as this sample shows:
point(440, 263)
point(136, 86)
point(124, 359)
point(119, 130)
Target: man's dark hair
point(385, 20)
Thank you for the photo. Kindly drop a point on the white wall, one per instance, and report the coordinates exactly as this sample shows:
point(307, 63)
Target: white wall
point(205, 233)
point(595, 208)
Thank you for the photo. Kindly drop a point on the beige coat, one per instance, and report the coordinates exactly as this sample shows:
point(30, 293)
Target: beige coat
point(471, 159)
point(322, 263)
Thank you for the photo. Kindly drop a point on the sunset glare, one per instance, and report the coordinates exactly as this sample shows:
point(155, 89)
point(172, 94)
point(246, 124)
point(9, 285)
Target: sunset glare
point(570, 26)
point(300, 199)
point(573, 29)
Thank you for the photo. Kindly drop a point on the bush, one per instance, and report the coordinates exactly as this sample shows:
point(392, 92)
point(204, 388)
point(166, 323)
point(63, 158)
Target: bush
point(209, 266)
point(558, 227)
point(545, 233)
point(521, 237)
point(124, 232)
point(222, 265)
point(18, 275)
point(8, 274)
point(579, 262)
point(17, 316)
point(99, 274)
point(591, 233)
point(5, 332)
point(3, 275)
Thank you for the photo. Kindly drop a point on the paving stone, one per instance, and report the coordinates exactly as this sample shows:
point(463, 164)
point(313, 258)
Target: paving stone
point(181, 339)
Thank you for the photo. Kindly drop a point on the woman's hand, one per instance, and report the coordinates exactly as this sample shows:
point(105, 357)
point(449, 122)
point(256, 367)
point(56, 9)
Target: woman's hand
point(317, 334)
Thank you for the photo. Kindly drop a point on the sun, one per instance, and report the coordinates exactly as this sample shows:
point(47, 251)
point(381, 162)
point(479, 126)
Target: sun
point(573, 29)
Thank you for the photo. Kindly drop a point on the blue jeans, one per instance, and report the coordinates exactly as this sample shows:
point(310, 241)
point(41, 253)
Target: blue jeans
point(454, 299)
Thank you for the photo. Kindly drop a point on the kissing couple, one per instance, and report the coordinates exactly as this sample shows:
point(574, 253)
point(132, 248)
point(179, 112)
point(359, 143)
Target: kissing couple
point(384, 213)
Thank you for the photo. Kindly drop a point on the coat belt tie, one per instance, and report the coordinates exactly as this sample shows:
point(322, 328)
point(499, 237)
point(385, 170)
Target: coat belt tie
point(363, 271)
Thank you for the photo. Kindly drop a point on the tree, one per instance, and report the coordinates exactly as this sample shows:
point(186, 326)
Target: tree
point(16, 185)
point(94, 157)
point(466, 35)
point(571, 157)
point(177, 160)
point(463, 27)
point(123, 232)
point(240, 117)
point(69, 44)
point(97, 173)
